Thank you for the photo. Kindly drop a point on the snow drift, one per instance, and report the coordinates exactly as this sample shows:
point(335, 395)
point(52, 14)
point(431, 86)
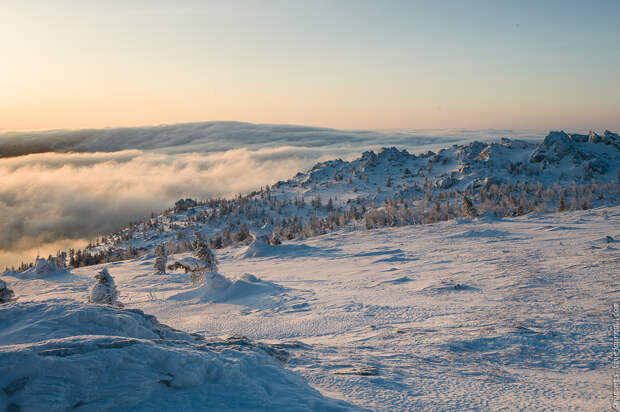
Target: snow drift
point(57, 356)
point(218, 288)
point(260, 246)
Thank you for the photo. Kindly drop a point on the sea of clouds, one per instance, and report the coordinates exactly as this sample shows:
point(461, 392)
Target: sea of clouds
point(61, 188)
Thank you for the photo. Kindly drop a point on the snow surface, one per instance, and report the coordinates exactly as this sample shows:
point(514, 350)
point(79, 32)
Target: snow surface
point(63, 355)
point(482, 314)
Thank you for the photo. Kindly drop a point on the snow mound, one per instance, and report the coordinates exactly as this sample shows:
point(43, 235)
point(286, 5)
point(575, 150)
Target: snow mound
point(397, 281)
point(189, 262)
point(30, 322)
point(258, 248)
point(446, 287)
point(479, 234)
point(57, 356)
point(218, 288)
point(43, 269)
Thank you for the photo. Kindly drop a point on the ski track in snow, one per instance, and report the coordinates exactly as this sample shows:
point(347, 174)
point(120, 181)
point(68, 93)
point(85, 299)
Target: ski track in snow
point(513, 314)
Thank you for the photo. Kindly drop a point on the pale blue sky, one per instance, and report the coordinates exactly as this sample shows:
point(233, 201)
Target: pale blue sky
point(344, 64)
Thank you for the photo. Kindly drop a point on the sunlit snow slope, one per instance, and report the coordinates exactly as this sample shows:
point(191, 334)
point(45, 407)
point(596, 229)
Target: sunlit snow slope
point(479, 314)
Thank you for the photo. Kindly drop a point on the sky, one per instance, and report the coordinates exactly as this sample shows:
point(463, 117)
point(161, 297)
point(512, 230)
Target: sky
point(342, 64)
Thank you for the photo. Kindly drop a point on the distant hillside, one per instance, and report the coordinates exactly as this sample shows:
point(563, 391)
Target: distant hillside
point(389, 188)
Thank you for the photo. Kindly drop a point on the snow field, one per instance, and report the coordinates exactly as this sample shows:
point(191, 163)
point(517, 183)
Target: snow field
point(472, 314)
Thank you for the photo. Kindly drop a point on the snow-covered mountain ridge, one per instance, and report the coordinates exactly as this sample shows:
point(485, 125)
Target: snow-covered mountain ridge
point(390, 188)
point(559, 157)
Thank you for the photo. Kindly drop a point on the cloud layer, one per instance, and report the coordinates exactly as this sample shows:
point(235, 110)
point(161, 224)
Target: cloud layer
point(62, 188)
point(208, 137)
point(48, 197)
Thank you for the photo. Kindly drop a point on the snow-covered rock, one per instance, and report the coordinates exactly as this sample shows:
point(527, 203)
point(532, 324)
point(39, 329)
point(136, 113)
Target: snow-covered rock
point(262, 234)
point(579, 138)
point(555, 146)
point(593, 137)
point(470, 151)
point(261, 243)
point(184, 204)
point(6, 294)
point(446, 182)
point(58, 356)
point(188, 263)
point(611, 138)
point(258, 248)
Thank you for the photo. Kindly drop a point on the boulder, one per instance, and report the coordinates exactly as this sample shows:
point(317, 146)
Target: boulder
point(611, 138)
point(446, 182)
point(554, 147)
point(593, 137)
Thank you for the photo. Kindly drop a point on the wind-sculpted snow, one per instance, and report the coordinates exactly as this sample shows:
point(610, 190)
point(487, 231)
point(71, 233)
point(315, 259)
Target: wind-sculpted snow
point(59, 356)
point(218, 288)
point(260, 245)
point(466, 314)
point(43, 269)
point(503, 305)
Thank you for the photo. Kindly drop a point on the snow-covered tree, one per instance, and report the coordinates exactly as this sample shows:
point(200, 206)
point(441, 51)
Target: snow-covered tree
point(6, 294)
point(275, 239)
point(562, 203)
point(104, 291)
point(468, 207)
point(47, 266)
point(160, 259)
point(204, 253)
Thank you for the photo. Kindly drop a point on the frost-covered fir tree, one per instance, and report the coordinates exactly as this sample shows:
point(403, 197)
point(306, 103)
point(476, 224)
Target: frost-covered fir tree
point(160, 259)
point(6, 294)
point(104, 291)
point(468, 207)
point(205, 254)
